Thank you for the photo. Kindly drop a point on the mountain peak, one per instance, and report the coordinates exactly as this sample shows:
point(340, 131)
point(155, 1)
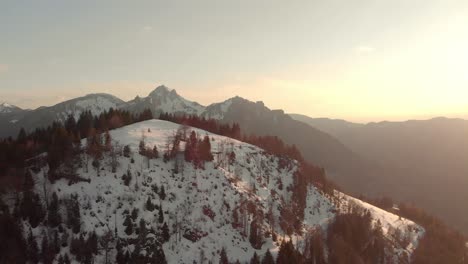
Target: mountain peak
point(8, 108)
point(162, 90)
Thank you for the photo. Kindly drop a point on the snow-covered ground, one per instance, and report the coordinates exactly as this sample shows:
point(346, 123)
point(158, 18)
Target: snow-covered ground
point(221, 187)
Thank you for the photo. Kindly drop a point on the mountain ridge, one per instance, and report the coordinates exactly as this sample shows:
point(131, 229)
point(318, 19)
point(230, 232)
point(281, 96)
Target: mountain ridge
point(343, 166)
point(417, 157)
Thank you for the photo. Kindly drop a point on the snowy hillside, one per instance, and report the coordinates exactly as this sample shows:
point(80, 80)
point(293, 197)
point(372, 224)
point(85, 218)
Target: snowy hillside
point(199, 205)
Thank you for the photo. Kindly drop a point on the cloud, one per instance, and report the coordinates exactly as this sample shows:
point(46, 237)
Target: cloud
point(4, 68)
point(364, 49)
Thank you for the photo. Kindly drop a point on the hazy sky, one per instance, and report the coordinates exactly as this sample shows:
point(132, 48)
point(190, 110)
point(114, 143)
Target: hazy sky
point(355, 59)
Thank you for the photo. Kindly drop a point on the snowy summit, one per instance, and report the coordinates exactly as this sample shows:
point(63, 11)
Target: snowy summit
point(236, 202)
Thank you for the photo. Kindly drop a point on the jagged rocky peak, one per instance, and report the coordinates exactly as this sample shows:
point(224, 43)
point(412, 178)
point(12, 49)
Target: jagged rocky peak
point(162, 91)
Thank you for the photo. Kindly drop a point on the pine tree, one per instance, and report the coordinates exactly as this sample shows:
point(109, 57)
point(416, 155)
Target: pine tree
point(21, 136)
point(134, 214)
point(223, 259)
point(54, 216)
point(161, 215)
point(28, 183)
point(92, 243)
point(162, 193)
point(287, 254)
point(268, 258)
point(142, 231)
point(155, 152)
point(127, 151)
point(142, 147)
point(56, 244)
point(73, 215)
point(60, 259)
point(255, 237)
point(165, 233)
point(205, 149)
point(66, 259)
point(128, 226)
point(255, 259)
point(12, 244)
point(45, 251)
point(120, 257)
point(32, 248)
point(107, 140)
point(149, 205)
point(70, 123)
point(31, 208)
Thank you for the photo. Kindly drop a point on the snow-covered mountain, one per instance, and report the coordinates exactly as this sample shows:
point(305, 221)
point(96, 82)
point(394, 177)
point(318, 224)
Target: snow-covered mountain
point(343, 165)
point(199, 205)
point(163, 99)
point(44, 116)
point(6, 108)
point(96, 103)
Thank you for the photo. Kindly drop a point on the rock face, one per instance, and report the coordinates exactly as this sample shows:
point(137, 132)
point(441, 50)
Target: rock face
point(162, 99)
point(194, 212)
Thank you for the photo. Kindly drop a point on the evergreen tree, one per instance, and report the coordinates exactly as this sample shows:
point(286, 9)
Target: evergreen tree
point(107, 140)
point(28, 183)
point(255, 259)
point(54, 218)
point(255, 237)
point(31, 208)
point(287, 254)
point(73, 214)
point(128, 225)
point(223, 259)
point(142, 147)
point(162, 193)
point(157, 255)
point(161, 215)
point(56, 244)
point(155, 153)
point(149, 205)
point(21, 139)
point(60, 260)
point(268, 258)
point(205, 149)
point(316, 249)
point(120, 257)
point(92, 243)
point(32, 248)
point(127, 151)
point(70, 123)
point(165, 233)
point(134, 214)
point(142, 231)
point(12, 245)
point(45, 251)
point(66, 259)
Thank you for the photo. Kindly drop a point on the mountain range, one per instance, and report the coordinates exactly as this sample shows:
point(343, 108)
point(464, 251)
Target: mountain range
point(423, 161)
point(253, 117)
point(371, 159)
